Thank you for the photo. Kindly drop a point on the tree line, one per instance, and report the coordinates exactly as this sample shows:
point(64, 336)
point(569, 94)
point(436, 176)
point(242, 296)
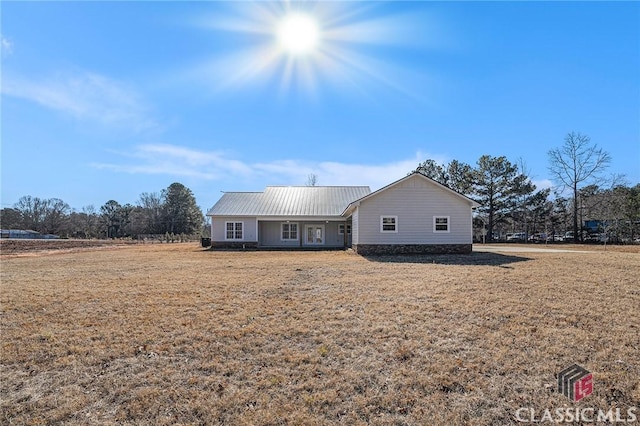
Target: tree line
point(172, 211)
point(584, 202)
point(511, 202)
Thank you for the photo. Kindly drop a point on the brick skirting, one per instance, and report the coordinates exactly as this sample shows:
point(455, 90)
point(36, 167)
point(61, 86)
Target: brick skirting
point(385, 249)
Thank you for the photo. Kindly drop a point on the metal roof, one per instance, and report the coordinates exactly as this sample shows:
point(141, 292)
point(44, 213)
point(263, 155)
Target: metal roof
point(289, 201)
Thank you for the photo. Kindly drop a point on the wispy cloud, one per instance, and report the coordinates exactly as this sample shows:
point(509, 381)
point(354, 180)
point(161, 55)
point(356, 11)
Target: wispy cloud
point(543, 184)
point(84, 95)
point(164, 159)
point(6, 45)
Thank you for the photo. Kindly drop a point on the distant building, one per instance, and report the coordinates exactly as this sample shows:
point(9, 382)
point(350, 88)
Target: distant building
point(25, 234)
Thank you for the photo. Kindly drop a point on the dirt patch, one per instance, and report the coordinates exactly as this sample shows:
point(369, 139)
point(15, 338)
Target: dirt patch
point(16, 247)
point(174, 334)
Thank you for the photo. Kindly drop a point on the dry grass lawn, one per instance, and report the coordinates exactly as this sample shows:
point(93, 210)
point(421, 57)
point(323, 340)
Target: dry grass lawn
point(175, 334)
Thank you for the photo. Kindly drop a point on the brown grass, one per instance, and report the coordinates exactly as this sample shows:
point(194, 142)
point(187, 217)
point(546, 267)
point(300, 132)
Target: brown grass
point(174, 334)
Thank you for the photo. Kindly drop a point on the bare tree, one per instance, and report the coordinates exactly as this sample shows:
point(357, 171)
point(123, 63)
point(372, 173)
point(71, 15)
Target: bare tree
point(43, 215)
point(608, 207)
point(57, 214)
point(90, 223)
point(576, 162)
point(312, 179)
point(10, 218)
point(33, 212)
point(152, 205)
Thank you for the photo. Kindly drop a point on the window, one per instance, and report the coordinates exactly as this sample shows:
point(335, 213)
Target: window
point(341, 229)
point(289, 231)
point(388, 223)
point(441, 224)
point(234, 231)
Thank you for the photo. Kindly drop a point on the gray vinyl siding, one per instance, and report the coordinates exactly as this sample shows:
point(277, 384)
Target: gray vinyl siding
point(218, 228)
point(332, 238)
point(415, 202)
point(270, 234)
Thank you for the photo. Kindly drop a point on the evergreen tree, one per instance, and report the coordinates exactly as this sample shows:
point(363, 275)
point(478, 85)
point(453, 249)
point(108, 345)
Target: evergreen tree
point(181, 213)
point(497, 185)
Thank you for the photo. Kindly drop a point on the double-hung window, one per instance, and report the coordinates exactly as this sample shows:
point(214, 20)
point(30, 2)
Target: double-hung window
point(234, 231)
point(341, 229)
point(388, 223)
point(441, 224)
point(289, 231)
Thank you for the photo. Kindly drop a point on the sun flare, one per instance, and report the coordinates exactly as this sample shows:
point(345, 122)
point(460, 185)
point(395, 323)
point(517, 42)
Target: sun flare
point(298, 33)
point(295, 46)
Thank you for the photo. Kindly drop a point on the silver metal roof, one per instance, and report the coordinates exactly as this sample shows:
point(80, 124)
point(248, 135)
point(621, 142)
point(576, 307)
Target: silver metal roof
point(289, 201)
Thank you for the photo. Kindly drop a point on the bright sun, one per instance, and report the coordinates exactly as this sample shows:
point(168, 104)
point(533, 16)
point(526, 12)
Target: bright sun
point(298, 33)
point(298, 44)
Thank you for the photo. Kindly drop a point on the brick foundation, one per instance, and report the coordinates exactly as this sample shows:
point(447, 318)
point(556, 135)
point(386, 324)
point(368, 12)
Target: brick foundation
point(386, 249)
point(234, 245)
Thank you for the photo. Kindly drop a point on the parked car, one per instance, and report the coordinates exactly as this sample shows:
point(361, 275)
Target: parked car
point(595, 238)
point(555, 238)
point(518, 236)
point(538, 238)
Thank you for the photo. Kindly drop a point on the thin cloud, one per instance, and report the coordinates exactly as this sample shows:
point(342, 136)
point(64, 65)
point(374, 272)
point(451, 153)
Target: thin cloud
point(85, 96)
point(6, 45)
point(164, 159)
point(543, 184)
point(179, 161)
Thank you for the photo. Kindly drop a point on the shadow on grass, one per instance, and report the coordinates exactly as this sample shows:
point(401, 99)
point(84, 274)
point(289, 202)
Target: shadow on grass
point(475, 258)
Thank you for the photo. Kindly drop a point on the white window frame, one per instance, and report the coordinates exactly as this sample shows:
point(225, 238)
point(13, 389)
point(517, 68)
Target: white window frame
point(341, 229)
point(395, 223)
point(441, 231)
point(234, 231)
point(282, 231)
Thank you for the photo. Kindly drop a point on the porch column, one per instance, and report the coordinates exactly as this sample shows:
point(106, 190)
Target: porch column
point(346, 238)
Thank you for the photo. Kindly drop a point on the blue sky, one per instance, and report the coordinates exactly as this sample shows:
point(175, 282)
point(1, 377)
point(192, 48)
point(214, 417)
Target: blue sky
point(109, 100)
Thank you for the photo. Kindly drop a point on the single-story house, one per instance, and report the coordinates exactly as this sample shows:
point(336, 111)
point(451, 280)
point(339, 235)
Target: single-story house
point(412, 215)
point(25, 234)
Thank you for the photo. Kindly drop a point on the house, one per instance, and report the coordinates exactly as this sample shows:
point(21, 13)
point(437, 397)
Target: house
point(25, 234)
point(284, 216)
point(412, 215)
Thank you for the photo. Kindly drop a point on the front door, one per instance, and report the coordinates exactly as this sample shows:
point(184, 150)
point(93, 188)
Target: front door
point(314, 234)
